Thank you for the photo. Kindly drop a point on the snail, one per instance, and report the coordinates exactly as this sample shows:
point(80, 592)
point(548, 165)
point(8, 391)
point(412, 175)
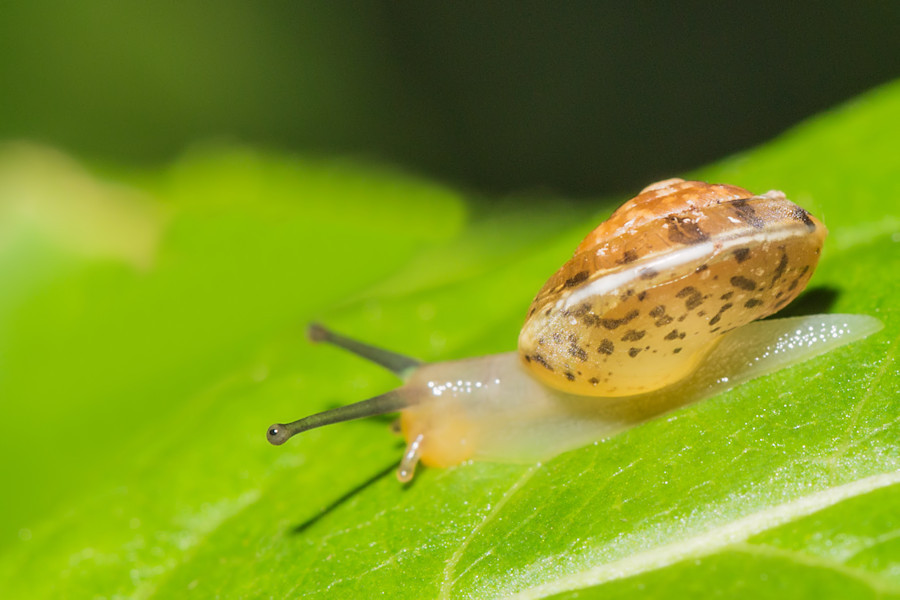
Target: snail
point(657, 309)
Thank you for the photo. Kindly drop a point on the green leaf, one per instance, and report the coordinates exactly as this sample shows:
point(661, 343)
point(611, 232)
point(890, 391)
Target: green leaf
point(151, 327)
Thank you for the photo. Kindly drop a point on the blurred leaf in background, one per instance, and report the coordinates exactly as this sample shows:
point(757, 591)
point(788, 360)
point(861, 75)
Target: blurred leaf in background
point(151, 327)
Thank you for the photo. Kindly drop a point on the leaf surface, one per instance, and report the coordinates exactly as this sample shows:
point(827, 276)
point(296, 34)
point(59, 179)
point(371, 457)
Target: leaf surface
point(140, 370)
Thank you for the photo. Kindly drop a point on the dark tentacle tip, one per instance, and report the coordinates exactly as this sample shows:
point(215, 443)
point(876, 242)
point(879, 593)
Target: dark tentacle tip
point(277, 434)
point(316, 332)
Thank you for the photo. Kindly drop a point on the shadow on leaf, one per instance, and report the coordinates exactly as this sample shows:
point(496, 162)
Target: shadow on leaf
point(336, 503)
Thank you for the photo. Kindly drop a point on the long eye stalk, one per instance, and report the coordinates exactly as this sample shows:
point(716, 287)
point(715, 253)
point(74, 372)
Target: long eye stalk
point(389, 402)
point(398, 364)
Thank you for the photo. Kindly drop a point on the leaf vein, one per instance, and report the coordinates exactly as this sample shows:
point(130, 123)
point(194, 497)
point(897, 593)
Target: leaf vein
point(707, 542)
point(448, 576)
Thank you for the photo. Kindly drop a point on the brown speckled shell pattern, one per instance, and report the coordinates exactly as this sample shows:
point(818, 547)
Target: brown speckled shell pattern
point(650, 290)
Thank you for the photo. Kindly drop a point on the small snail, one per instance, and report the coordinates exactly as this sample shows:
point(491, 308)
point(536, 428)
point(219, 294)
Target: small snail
point(656, 310)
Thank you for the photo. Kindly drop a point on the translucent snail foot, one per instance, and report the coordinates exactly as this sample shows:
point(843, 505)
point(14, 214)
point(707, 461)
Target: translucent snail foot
point(410, 459)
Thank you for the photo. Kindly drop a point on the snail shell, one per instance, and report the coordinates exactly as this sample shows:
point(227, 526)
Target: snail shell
point(650, 291)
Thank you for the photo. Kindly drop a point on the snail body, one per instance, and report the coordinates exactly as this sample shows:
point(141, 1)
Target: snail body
point(657, 309)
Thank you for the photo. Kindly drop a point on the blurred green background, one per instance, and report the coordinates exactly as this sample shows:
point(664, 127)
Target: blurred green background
point(578, 97)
